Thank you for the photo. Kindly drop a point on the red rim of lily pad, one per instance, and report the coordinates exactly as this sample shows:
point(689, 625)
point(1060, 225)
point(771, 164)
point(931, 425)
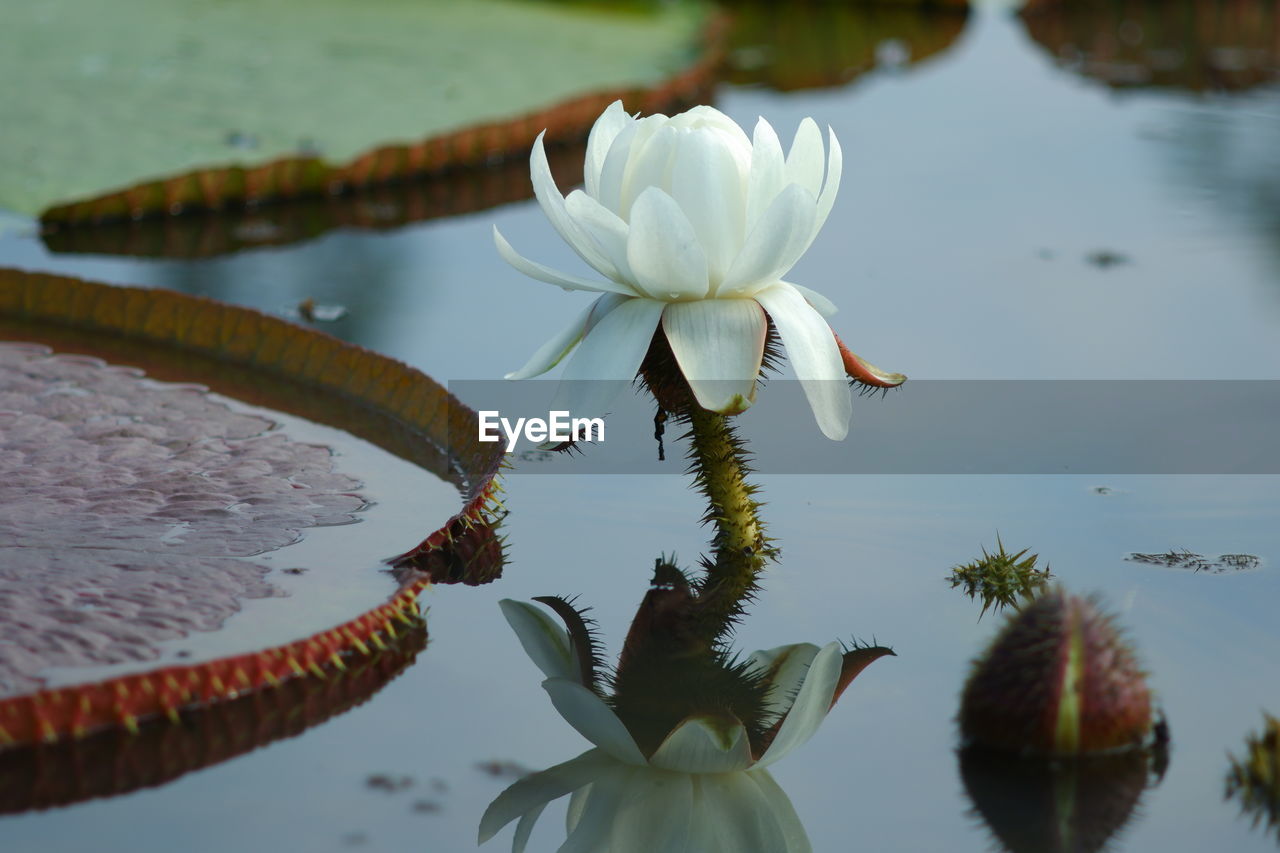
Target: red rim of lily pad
point(113, 762)
point(208, 233)
point(266, 361)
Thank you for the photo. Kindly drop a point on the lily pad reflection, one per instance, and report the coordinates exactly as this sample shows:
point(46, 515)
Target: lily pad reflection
point(1191, 45)
point(807, 45)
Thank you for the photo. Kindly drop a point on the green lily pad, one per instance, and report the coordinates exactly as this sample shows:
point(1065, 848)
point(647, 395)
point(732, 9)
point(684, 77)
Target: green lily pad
point(116, 94)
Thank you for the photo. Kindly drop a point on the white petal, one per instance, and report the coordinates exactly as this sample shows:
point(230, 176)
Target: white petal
point(663, 249)
point(786, 667)
point(552, 202)
point(718, 344)
point(649, 166)
point(705, 745)
point(606, 129)
point(767, 172)
point(544, 640)
point(820, 303)
point(617, 345)
point(577, 803)
point(619, 162)
point(658, 814)
point(804, 160)
point(835, 168)
point(525, 828)
point(549, 354)
point(811, 705)
point(533, 269)
point(534, 792)
point(593, 719)
point(797, 841)
point(599, 812)
point(608, 358)
point(741, 815)
point(812, 351)
point(614, 169)
point(604, 227)
point(707, 116)
point(708, 185)
point(703, 833)
point(774, 245)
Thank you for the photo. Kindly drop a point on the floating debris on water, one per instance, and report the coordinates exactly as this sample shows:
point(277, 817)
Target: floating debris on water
point(503, 769)
point(388, 783)
point(313, 312)
point(1184, 559)
point(1107, 258)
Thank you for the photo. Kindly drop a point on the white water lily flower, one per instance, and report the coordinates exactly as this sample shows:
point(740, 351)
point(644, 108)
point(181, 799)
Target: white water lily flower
point(701, 790)
point(693, 226)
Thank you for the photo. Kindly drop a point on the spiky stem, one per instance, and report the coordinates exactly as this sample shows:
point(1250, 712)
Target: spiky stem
point(718, 462)
point(740, 549)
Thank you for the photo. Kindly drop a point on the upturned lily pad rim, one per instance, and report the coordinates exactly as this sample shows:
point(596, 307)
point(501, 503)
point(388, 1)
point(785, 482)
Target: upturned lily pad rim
point(258, 358)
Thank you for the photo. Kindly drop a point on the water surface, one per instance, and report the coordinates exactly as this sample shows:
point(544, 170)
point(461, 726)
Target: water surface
point(980, 187)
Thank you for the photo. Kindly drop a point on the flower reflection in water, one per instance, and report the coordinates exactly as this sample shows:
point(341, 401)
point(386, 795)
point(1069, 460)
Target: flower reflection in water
point(682, 732)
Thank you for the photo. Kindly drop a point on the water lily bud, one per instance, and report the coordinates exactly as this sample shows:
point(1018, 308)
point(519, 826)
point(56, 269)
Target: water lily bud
point(1059, 679)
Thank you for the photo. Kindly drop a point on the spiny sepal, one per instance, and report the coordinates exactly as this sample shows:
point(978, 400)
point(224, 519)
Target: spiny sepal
point(584, 640)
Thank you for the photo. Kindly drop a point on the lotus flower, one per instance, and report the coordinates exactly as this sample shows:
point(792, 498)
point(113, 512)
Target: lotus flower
point(704, 787)
point(693, 225)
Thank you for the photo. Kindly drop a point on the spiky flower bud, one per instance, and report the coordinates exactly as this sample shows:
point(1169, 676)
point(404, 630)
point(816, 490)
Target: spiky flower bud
point(1059, 679)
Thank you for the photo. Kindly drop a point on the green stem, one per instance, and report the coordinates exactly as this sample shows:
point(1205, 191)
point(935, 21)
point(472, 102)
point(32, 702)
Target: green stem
point(740, 548)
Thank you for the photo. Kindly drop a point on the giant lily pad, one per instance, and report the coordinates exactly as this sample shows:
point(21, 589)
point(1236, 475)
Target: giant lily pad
point(143, 106)
point(134, 509)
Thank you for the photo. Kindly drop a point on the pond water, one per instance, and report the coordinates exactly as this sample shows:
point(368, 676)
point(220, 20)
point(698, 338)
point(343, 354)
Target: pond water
point(1001, 217)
